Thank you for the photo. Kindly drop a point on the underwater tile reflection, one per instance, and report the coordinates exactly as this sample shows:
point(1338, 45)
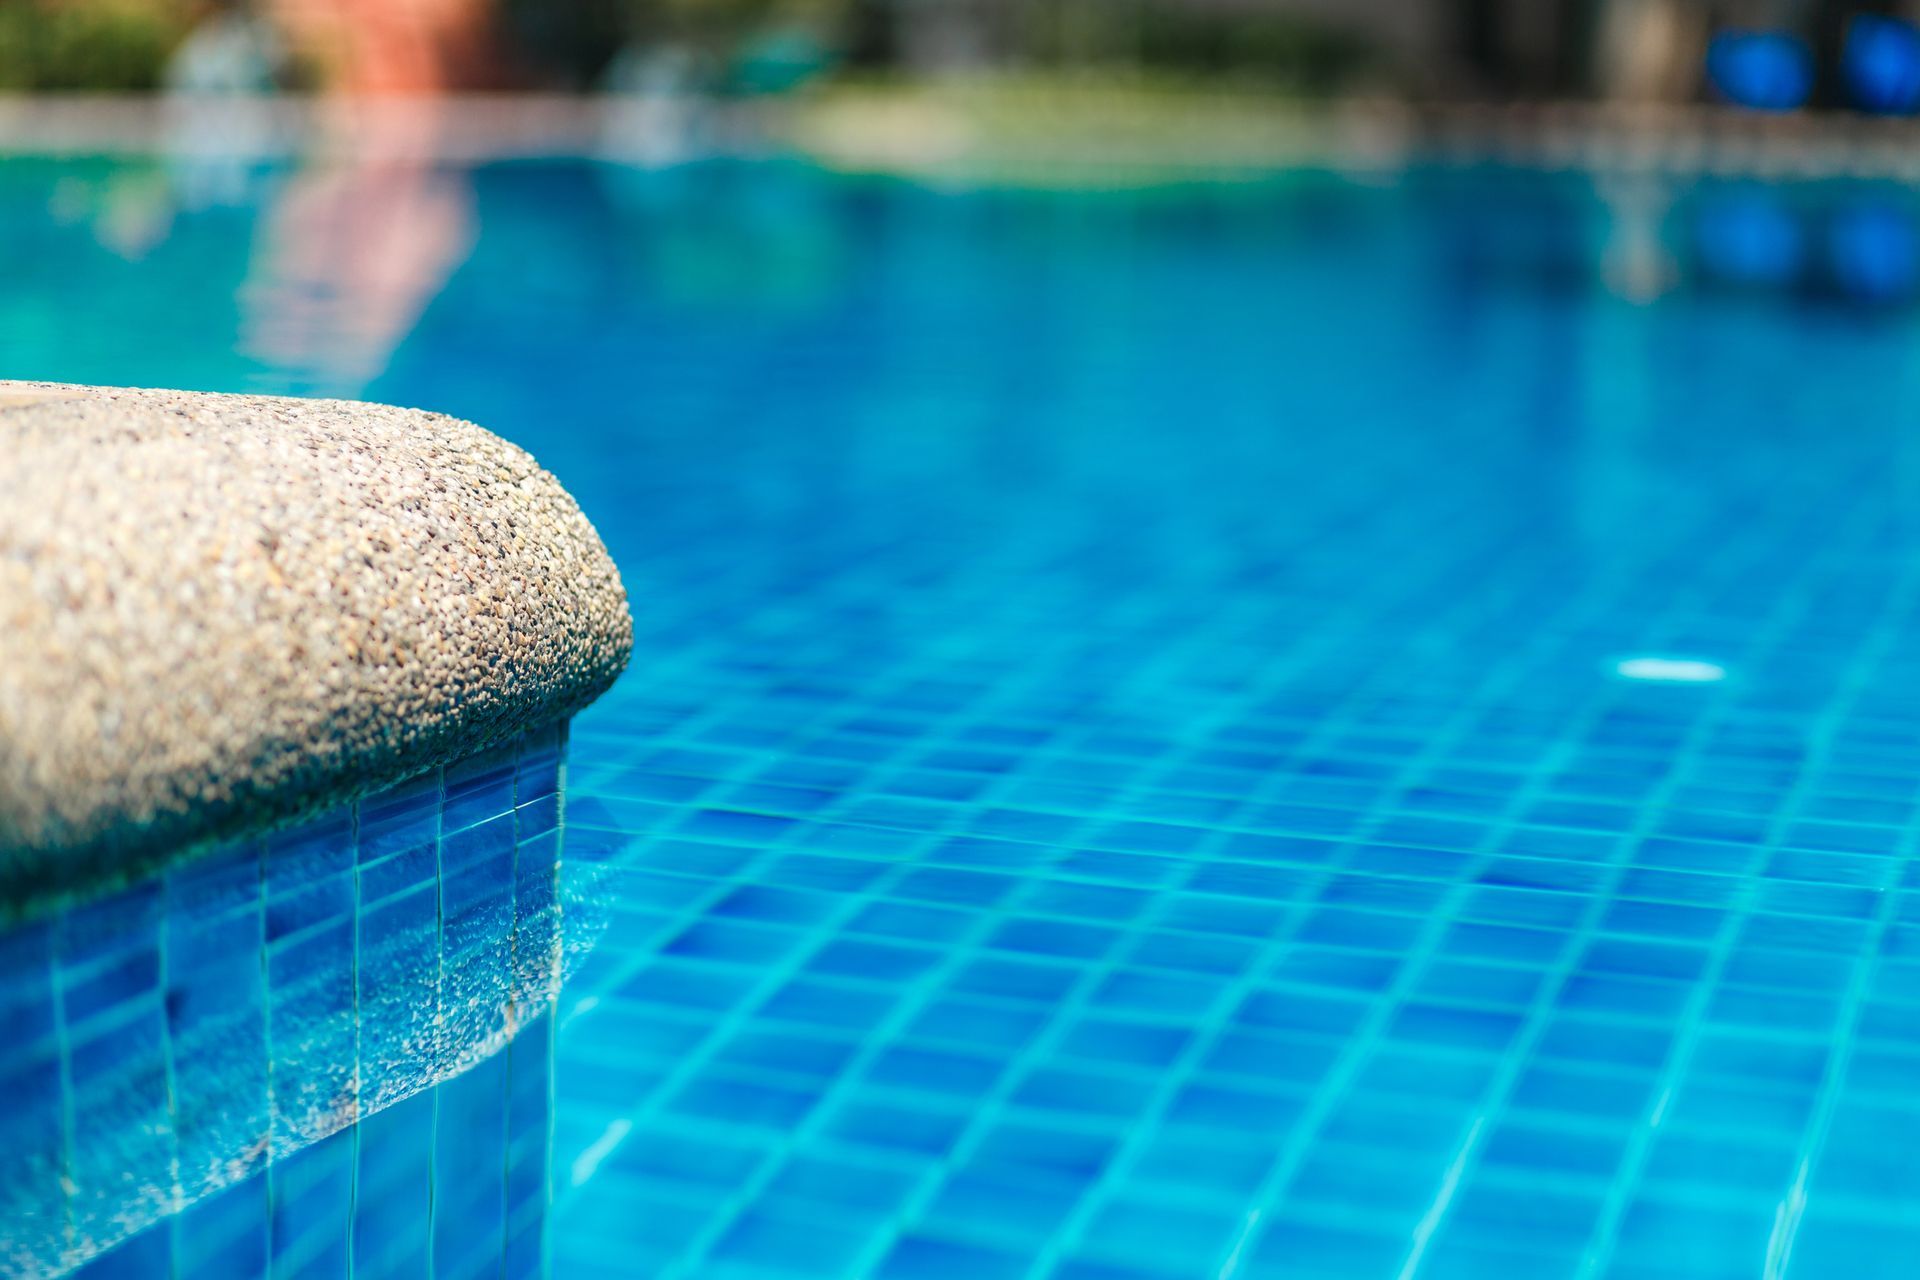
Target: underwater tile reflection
point(332, 1040)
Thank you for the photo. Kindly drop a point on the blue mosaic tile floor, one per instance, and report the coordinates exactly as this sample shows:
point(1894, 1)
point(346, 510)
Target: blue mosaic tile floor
point(1307, 729)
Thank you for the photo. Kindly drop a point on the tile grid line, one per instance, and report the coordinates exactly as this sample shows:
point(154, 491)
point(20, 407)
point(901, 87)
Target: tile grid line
point(1072, 1004)
point(955, 953)
point(963, 948)
point(1554, 977)
point(1384, 803)
point(1238, 988)
point(774, 979)
point(1364, 1040)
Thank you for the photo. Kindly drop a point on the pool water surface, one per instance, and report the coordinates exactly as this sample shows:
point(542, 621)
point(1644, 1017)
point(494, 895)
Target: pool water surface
point(1308, 727)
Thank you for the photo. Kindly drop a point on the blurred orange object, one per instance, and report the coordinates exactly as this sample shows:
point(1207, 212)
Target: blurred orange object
point(396, 46)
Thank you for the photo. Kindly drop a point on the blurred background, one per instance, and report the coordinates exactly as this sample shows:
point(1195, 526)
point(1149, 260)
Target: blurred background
point(349, 143)
point(1751, 148)
point(1032, 88)
point(1773, 53)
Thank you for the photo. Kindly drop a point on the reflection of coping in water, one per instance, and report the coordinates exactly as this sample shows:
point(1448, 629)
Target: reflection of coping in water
point(354, 248)
point(292, 1047)
point(1634, 262)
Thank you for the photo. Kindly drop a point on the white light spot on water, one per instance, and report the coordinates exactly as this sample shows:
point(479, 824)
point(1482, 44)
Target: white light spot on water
point(1670, 670)
point(587, 1163)
point(1232, 1264)
point(1786, 1224)
point(586, 1004)
point(1437, 1211)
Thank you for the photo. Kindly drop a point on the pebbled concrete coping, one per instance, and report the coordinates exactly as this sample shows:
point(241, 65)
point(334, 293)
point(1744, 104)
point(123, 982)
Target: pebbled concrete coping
point(221, 612)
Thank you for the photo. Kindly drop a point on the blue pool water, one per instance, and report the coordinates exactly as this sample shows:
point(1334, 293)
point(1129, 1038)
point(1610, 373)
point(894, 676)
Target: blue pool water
point(1308, 728)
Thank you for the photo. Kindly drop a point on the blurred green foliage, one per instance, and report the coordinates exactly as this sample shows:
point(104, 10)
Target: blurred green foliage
point(757, 46)
point(771, 44)
point(761, 45)
point(98, 45)
point(1282, 50)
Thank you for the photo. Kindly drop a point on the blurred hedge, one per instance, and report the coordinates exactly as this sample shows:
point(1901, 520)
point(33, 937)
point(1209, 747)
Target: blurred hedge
point(121, 45)
point(1256, 42)
point(99, 45)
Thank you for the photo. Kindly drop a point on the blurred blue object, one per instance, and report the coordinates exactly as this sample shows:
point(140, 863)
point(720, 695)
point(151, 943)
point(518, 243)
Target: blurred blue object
point(1749, 236)
point(1763, 70)
point(1875, 252)
point(1881, 62)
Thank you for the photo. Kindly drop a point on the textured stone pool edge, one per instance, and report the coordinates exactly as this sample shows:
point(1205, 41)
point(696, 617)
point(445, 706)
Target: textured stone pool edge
point(225, 613)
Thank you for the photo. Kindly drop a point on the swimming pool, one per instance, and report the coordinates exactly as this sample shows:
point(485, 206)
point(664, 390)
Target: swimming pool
point(1308, 727)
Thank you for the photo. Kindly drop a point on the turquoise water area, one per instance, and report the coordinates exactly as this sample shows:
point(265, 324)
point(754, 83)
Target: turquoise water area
point(1316, 727)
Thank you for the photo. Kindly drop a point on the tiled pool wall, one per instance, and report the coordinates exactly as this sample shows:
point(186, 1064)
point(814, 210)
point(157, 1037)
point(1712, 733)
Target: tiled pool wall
point(185, 1060)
